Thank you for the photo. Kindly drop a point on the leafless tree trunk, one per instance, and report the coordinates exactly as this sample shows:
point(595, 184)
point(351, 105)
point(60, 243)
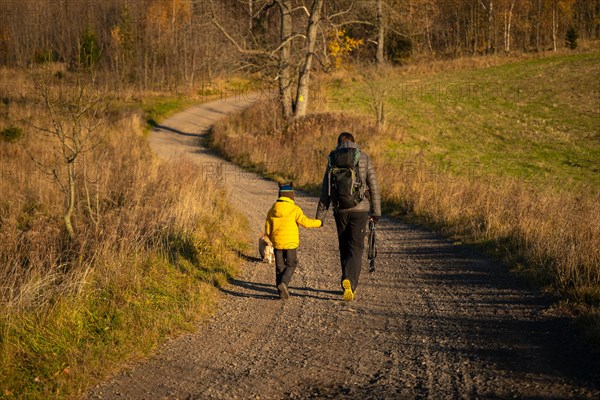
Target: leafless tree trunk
point(554, 23)
point(93, 207)
point(538, 28)
point(380, 33)
point(301, 102)
point(491, 46)
point(428, 31)
point(284, 78)
point(70, 199)
point(474, 28)
point(507, 25)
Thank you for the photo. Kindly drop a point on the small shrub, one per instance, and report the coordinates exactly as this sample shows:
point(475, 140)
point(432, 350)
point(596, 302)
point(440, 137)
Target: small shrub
point(571, 38)
point(45, 56)
point(89, 49)
point(11, 134)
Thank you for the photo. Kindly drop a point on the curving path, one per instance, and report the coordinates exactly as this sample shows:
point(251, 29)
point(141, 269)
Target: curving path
point(435, 321)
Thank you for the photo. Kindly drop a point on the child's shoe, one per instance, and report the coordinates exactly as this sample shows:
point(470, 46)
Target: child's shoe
point(284, 293)
point(348, 294)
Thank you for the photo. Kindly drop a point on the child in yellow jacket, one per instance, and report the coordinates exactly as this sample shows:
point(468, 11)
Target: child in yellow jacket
point(281, 227)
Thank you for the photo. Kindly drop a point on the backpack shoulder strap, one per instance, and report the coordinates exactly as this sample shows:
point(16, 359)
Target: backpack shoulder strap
point(330, 159)
point(356, 157)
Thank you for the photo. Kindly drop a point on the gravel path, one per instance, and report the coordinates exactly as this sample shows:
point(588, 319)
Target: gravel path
point(436, 320)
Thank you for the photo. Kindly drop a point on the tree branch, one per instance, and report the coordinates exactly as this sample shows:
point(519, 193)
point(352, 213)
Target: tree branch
point(301, 8)
point(264, 7)
point(239, 48)
point(286, 41)
point(347, 11)
point(356, 22)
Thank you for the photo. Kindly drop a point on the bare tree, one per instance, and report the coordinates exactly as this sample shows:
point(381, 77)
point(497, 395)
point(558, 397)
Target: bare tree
point(75, 114)
point(280, 53)
point(379, 91)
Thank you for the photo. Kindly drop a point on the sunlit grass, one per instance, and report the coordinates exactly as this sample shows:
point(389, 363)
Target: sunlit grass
point(537, 120)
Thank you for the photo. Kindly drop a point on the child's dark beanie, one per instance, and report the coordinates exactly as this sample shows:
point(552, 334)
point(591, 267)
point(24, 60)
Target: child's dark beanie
point(286, 191)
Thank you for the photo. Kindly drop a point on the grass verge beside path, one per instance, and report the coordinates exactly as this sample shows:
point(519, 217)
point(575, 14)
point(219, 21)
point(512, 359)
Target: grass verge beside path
point(519, 179)
point(153, 241)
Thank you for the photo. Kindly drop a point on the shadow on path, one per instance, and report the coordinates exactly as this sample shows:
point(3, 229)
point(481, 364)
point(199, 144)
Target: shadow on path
point(178, 132)
point(239, 288)
point(256, 290)
point(520, 335)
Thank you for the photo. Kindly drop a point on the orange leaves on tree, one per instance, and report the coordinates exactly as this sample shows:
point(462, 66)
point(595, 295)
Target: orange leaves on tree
point(341, 45)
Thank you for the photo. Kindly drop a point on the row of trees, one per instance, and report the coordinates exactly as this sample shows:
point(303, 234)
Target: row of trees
point(170, 44)
point(487, 26)
point(155, 44)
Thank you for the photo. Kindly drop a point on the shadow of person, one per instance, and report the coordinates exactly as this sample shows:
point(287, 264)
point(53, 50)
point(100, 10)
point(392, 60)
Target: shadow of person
point(239, 288)
point(248, 258)
point(257, 290)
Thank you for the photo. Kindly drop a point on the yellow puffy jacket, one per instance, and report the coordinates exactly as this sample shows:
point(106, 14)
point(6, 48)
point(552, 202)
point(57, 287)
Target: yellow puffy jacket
point(282, 224)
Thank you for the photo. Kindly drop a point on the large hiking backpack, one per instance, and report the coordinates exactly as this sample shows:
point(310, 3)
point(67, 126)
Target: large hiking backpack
point(345, 186)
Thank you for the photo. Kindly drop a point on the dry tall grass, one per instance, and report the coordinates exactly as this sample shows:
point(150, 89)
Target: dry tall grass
point(554, 236)
point(152, 241)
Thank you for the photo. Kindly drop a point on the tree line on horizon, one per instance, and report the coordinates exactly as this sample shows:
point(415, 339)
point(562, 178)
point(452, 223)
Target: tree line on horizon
point(170, 44)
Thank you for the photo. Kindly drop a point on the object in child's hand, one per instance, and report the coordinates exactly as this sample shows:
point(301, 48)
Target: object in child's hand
point(265, 249)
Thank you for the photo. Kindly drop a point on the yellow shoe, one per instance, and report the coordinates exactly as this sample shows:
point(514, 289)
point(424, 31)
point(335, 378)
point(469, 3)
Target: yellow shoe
point(348, 295)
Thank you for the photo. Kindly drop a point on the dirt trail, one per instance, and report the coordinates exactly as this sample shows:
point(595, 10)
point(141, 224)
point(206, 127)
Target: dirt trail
point(436, 320)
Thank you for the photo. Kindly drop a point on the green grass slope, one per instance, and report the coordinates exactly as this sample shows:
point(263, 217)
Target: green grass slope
point(536, 119)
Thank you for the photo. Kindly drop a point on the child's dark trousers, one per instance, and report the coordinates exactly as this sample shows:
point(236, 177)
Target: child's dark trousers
point(285, 265)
